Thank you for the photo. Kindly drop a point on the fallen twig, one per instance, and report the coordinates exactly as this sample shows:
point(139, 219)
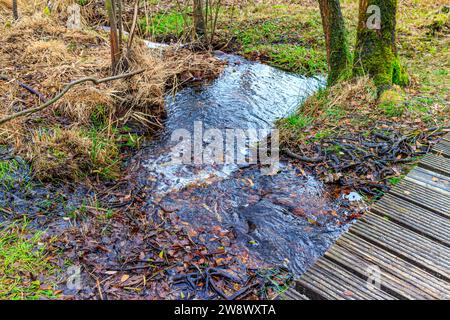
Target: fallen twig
point(26, 87)
point(64, 91)
point(299, 157)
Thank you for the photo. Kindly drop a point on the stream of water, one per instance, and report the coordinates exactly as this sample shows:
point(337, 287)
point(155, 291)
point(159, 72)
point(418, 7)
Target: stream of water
point(286, 219)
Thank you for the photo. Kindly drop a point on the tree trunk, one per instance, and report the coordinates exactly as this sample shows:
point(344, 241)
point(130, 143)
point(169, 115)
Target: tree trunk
point(199, 20)
point(113, 35)
point(15, 10)
point(119, 21)
point(375, 51)
point(338, 54)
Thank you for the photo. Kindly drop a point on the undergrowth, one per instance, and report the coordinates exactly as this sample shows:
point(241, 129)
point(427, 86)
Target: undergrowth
point(87, 133)
point(25, 266)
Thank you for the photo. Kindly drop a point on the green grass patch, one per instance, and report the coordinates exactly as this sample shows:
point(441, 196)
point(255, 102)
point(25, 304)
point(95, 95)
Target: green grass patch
point(165, 24)
point(307, 61)
point(104, 154)
point(292, 42)
point(298, 121)
point(395, 180)
point(335, 112)
point(323, 134)
point(23, 258)
point(7, 169)
point(392, 103)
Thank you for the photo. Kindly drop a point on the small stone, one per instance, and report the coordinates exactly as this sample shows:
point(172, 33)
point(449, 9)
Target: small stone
point(353, 196)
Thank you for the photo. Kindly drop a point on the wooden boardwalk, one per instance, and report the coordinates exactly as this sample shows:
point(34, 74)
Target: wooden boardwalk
point(399, 250)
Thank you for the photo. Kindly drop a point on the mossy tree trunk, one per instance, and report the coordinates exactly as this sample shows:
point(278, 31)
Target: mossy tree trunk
point(199, 20)
point(375, 51)
point(338, 53)
point(15, 10)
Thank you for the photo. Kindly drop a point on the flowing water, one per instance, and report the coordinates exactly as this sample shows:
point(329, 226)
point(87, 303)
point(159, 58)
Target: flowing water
point(285, 219)
point(288, 218)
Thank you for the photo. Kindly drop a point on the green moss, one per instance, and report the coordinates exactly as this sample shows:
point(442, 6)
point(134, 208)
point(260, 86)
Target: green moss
point(395, 180)
point(323, 134)
point(385, 68)
point(375, 51)
point(399, 75)
point(392, 103)
point(440, 21)
point(340, 59)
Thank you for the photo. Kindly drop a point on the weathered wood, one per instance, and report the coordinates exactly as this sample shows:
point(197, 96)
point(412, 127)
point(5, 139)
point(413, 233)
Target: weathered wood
point(291, 294)
point(364, 253)
point(442, 148)
point(404, 242)
point(409, 245)
point(423, 197)
point(436, 163)
point(414, 218)
point(327, 280)
point(368, 270)
point(430, 180)
point(447, 137)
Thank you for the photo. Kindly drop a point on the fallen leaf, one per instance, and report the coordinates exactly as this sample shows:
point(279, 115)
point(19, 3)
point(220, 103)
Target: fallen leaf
point(348, 293)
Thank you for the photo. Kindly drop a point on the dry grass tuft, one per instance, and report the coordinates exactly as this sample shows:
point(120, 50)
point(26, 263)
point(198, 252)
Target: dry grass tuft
point(40, 52)
point(348, 96)
point(59, 153)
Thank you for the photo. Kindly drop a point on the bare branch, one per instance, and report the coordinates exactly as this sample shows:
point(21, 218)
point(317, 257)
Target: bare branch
point(15, 10)
point(64, 91)
point(134, 24)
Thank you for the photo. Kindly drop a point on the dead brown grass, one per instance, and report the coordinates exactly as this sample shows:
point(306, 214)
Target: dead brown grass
point(39, 51)
point(59, 153)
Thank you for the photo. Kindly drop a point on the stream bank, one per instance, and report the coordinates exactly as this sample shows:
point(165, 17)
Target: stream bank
point(214, 230)
point(240, 230)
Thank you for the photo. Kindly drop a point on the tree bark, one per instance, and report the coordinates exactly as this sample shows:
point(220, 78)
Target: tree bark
point(133, 25)
point(338, 53)
point(375, 51)
point(113, 35)
point(199, 20)
point(15, 10)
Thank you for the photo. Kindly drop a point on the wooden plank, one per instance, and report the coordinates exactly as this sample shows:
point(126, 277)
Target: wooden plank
point(413, 217)
point(397, 276)
point(447, 137)
point(291, 294)
point(327, 280)
point(423, 197)
point(431, 180)
point(436, 163)
point(406, 238)
point(366, 270)
point(442, 148)
point(405, 243)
